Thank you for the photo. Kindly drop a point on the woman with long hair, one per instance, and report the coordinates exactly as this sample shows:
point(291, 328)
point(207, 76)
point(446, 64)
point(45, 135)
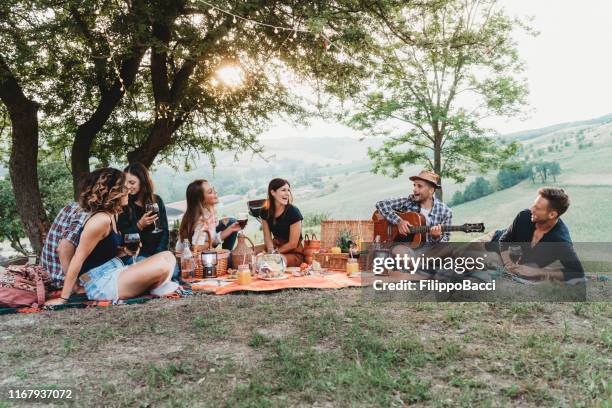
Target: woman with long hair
point(201, 217)
point(282, 223)
point(137, 217)
point(96, 261)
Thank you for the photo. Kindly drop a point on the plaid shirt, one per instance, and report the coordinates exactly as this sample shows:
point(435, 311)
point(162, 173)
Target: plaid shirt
point(67, 225)
point(439, 214)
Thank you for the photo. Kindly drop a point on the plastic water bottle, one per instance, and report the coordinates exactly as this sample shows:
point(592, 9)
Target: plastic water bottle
point(187, 262)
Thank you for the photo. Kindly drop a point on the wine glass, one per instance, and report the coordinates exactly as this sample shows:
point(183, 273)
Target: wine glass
point(515, 252)
point(153, 208)
point(132, 243)
point(242, 219)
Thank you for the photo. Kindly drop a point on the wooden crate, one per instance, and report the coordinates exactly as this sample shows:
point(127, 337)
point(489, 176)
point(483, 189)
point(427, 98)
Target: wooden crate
point(333, 262)
point(359, 229)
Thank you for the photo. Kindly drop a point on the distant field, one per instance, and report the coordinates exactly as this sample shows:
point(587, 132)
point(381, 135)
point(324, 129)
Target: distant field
point(586, 175)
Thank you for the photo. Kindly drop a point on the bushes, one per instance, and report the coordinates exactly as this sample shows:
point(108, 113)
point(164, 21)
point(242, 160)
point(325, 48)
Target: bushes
point(506, 178)
point(55, 183)
point(478, 188)
point(314, 220)
point(510, 176)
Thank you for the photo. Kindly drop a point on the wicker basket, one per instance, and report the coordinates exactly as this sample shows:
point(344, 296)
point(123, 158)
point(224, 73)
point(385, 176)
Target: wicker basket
point(359, 229)
point(221, 268)
point(222, 261)
point(333, 262)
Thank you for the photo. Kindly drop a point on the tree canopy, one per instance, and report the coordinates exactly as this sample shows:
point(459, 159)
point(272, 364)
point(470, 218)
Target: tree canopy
point(437, 74)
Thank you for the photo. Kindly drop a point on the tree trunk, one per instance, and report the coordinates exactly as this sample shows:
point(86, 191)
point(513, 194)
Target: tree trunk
point(86, 132)
point(438, 166)
point(159, 137)
point(24, 157)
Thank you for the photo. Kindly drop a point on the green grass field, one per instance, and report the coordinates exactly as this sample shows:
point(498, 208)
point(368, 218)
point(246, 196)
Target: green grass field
point(315, 348)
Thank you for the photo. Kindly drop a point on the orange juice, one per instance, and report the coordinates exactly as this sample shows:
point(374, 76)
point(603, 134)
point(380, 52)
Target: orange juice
point(352, 266)
point(243, 276)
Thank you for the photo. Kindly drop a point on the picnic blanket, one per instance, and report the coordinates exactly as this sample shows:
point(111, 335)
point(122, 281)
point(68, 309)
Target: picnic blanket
point(328, 281)
point(80, 302)
point(331, 280)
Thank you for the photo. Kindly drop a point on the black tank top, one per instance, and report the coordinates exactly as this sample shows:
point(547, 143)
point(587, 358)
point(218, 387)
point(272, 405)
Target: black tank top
point(104, 251)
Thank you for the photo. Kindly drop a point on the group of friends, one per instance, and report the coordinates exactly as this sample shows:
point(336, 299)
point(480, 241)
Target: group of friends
point(544, 241)
point(84, 249)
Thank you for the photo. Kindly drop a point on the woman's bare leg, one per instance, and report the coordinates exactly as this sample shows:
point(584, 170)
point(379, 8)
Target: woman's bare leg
point(146, 274)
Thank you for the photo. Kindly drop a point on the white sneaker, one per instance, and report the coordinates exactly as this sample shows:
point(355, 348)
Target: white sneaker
point(165, 288)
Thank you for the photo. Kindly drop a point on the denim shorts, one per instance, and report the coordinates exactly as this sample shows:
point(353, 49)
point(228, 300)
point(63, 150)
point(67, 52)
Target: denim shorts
point(102, 282)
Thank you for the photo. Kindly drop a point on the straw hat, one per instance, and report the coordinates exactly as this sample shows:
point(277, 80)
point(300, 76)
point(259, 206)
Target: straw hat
point(428, 176)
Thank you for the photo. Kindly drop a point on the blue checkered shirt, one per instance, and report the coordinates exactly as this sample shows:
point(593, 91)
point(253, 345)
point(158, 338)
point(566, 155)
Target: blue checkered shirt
point(439, 214)
point(67, 225)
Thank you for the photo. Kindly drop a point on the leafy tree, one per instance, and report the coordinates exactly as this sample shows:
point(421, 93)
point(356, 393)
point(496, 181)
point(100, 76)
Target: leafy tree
point(430, 63)
point(478, 188)
point(56, 189)
point(554, 169)
point(541, 168)
point(11, 229)
point(511, 175)
point(81, 66)
point(457, 198)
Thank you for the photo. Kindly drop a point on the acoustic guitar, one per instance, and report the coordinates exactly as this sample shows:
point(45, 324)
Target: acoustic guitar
point(388, 232)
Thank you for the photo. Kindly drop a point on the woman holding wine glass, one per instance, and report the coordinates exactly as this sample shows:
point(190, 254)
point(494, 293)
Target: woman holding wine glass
point(145, 213)
point(282, 223)
point(200, 221)
point(97, 259)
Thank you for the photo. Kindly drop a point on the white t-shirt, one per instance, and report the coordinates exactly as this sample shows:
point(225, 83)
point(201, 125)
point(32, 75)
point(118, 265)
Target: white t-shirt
point(425, 213)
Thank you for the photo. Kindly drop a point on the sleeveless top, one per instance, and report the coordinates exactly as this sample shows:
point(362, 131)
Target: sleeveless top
point(104, 251)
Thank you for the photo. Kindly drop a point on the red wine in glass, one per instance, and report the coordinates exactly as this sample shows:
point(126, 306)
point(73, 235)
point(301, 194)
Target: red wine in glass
point(132, 243)
point(242, 220)
point(153, 208)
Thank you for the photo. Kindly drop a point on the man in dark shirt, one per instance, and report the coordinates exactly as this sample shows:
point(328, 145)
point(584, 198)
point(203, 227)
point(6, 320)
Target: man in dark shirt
point(542, 238)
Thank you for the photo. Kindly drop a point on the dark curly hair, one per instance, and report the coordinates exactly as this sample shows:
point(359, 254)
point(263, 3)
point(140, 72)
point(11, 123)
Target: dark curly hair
point(102, 190)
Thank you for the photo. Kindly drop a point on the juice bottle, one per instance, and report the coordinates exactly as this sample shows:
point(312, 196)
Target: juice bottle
point(187, 262)
point(243, 276)
point(352, 266)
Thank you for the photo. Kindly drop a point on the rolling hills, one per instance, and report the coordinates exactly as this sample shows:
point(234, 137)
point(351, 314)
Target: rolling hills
point(584, 152)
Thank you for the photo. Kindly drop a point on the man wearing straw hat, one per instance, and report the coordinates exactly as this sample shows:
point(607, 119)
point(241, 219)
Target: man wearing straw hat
point(422, 200)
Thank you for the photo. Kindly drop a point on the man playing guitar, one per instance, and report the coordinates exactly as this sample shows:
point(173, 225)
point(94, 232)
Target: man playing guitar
point(422, 201)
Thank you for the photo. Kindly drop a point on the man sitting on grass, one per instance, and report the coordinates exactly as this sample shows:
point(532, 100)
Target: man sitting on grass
point(61, 242)
point(538, 237)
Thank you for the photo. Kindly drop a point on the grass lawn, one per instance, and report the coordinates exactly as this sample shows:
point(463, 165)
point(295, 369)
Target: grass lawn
point(323, 348)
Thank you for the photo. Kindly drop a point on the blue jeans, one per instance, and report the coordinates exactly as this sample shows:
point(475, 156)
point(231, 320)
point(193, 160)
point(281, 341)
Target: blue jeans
point(101, 282)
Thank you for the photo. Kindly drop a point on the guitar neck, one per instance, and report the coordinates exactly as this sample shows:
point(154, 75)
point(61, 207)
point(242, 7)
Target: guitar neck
point(426, 228)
